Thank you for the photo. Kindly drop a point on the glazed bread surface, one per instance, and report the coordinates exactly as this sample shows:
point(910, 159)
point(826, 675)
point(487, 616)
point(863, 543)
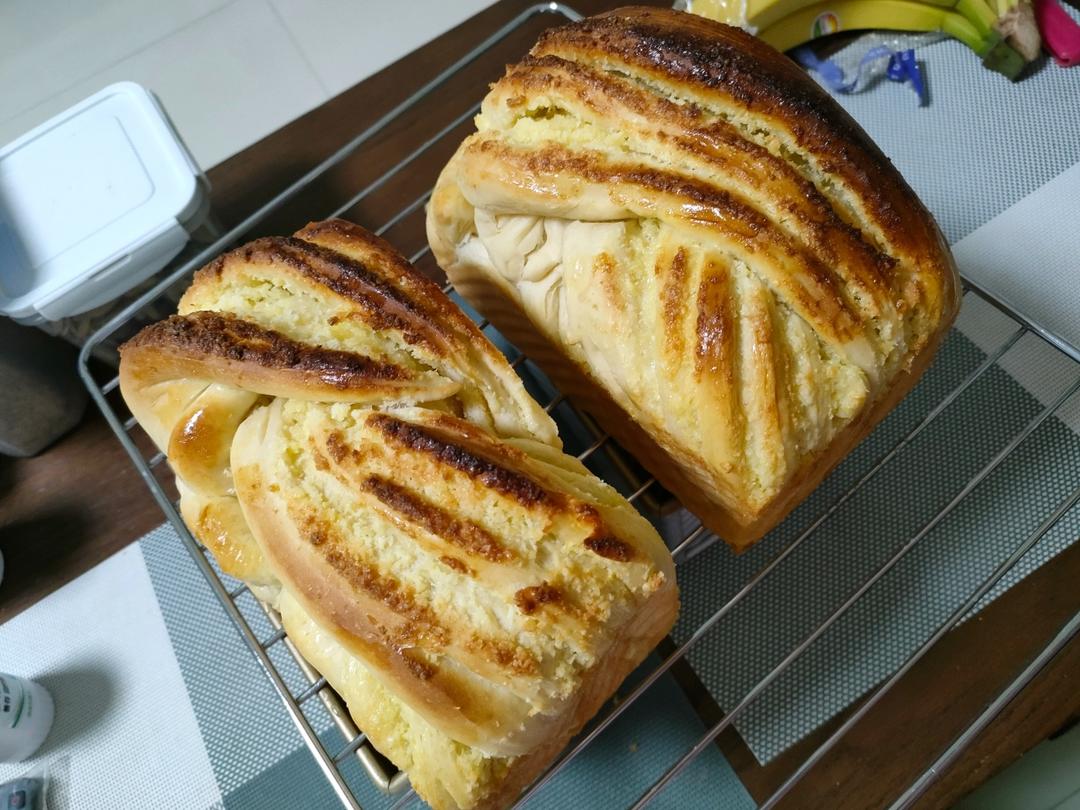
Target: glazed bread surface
point(699, 244)
point(476, 579)
point(474, 602)
point(348, 443)
point(330, 314)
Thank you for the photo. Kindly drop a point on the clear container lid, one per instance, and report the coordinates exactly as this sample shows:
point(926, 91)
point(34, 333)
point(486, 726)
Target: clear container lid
point(92, 202)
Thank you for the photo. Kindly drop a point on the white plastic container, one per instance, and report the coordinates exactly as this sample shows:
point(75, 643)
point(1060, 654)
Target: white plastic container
point(92, 202)
point(26, 715)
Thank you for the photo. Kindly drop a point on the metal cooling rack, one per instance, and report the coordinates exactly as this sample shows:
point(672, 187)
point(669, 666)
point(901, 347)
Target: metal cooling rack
point(683, 532)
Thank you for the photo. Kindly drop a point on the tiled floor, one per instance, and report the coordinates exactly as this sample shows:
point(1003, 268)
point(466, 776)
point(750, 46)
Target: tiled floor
point(228, 71)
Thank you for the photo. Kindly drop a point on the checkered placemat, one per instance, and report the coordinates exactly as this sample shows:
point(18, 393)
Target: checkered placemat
point(160, 705)
point(976, 152)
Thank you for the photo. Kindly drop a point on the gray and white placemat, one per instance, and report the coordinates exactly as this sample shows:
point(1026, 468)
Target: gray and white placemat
point(892, 619)
point(160, 705)
point(996, 164)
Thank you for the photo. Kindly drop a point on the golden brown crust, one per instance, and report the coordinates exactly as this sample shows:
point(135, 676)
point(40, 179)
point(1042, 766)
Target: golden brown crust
point(718, 261)
point(382, 305)
point(442, 771)
point(491, 474)
point(709, 58)
point(469, 536)
point(809, 286)
point(333, 282)
point(469, 647)
point(678, 478)
point(227, 339)
point(426, 296)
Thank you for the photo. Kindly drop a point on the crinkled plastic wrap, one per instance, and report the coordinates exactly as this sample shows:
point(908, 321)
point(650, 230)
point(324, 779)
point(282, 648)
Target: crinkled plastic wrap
point(848, 58)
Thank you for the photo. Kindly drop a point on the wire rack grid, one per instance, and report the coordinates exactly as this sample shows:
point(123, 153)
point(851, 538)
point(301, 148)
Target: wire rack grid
point(685, 535)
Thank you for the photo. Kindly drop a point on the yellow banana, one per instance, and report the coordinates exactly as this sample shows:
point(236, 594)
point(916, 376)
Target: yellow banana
point(757, 15)
point(785, 24)
point(849, 15)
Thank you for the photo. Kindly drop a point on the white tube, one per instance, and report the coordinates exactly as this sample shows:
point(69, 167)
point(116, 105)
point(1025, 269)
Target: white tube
point(26, 715)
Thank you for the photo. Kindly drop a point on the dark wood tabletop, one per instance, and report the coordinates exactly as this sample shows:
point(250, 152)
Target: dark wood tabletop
point(81, 500)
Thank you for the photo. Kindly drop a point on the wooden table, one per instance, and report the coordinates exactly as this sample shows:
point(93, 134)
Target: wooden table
point(80, 501)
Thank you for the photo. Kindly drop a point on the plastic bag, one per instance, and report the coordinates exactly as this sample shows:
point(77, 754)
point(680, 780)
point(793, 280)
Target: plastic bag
point(28, 791)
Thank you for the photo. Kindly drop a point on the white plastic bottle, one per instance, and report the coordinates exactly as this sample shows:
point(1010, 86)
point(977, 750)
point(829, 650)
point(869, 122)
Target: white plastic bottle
point(26, 715)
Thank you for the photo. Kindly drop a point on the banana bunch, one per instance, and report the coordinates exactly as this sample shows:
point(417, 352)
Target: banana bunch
point(1002, 32)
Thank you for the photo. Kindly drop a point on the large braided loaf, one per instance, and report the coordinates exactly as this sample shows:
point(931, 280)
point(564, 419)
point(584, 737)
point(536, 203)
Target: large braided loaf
point(350, 444)
point(700, 245)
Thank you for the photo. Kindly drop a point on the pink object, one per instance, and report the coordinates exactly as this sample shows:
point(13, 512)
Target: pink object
point(1060, 34)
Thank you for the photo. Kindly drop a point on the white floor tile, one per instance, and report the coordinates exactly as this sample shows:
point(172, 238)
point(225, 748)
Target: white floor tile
point(345, 41)
point(227, 80)
point(47, 46)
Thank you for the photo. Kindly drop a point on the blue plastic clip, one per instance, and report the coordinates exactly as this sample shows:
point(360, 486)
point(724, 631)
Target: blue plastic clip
point(902, 67)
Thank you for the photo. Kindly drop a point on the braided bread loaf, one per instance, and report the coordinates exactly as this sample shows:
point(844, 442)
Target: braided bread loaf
point(703, 248)
point(350, 444)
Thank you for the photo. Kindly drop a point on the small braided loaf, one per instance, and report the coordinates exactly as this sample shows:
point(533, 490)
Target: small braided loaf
point(350, 444)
